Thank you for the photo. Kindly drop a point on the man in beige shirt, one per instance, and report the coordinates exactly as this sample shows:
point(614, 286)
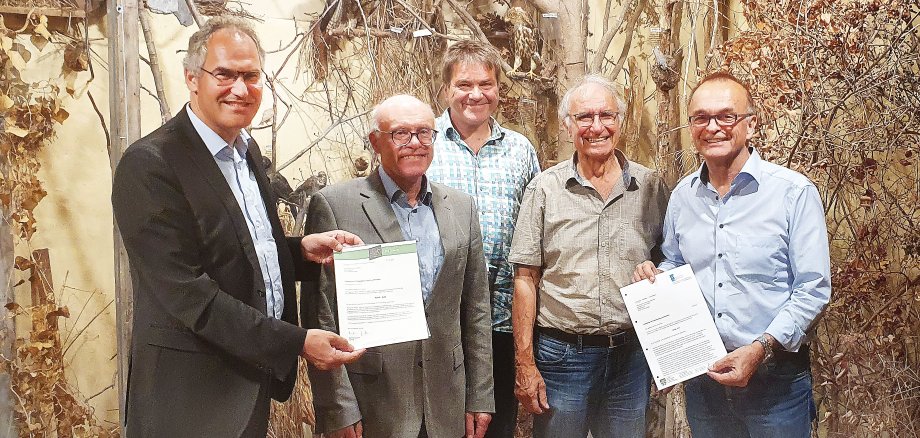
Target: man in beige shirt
point(583, 225)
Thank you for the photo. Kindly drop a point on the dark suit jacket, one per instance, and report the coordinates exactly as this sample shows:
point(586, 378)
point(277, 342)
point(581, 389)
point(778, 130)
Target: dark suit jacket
point(441, 378)
point(202, 345)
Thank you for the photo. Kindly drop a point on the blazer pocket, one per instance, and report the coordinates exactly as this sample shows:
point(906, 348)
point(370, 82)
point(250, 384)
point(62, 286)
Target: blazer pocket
point(458, 356)
point(371, 363)
point(177, 340)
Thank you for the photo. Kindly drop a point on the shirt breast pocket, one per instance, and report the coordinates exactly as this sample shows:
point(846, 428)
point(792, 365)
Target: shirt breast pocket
point(759, 257)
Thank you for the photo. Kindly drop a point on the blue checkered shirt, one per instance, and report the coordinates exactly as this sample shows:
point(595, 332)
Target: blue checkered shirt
point(495, 178)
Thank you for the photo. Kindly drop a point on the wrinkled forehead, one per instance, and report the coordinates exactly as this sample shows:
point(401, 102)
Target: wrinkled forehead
point(719, 96)
point(590, 98)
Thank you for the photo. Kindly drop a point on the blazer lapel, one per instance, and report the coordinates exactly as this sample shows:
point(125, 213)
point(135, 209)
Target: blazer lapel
point(447, 229)
point(205, 164)
point(379, 212)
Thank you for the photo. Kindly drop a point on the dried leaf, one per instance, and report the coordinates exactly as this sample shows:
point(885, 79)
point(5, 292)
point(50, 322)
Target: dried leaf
point(76, 56)
point(6, 43)
point(42, 27)
point(12, 307)
point(16, 130)
point(70, 80)
point(5, 102)
point(23, 263)
point(16, 60)
point(60, 312)
point(22, 51)
point(60, 115)
point(39, 41)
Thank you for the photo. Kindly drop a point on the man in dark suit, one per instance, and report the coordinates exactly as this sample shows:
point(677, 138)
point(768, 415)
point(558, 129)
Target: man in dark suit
point(440, 386)
point(215, 320)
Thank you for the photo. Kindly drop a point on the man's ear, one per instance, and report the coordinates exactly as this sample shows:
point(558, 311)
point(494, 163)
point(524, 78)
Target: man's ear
point(372, 139)
point(191, 81)
point(752, 126)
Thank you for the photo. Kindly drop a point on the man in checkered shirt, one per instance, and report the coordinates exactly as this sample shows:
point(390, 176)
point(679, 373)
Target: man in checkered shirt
point(493, 165)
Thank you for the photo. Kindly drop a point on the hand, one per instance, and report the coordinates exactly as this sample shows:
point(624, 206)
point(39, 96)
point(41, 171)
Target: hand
point(530, 389)
point(318, 248)
point(737, 367)
point(353, 431)
point(327, 350)
point(646, 270)
point(477, 423)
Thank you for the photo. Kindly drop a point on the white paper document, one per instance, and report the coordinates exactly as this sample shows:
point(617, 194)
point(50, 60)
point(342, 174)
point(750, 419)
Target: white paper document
point(379, 294)
point(674, 326)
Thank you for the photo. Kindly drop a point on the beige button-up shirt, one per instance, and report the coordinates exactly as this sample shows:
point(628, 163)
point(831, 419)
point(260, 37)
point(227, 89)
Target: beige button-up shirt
point(587, 247)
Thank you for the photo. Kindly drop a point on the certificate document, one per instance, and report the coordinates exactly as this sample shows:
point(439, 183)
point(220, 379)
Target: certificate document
point(379, 294)
point(674, 326)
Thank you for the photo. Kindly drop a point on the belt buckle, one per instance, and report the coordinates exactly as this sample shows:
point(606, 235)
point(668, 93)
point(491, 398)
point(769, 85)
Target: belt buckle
point(610, 343)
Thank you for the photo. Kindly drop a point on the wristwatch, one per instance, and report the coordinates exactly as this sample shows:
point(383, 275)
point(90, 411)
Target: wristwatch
point(767, 349)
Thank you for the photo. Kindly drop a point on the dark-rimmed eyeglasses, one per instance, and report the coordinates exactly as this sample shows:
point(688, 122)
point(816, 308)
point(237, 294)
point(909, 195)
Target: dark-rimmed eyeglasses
point(228, 77)
point(724, 120)
point(402, 137)
point(584, 120)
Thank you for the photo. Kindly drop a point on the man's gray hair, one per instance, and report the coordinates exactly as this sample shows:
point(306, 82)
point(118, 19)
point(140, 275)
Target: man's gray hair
point(198, 43)
point(374, 115)
point(607, 85)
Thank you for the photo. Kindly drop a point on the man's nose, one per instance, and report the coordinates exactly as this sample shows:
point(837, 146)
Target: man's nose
point(239, 88)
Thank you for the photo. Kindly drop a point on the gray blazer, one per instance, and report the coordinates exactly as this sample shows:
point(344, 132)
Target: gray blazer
point(393, 387)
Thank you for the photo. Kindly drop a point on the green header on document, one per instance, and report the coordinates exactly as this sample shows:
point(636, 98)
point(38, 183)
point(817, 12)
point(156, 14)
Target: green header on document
point(386, 249)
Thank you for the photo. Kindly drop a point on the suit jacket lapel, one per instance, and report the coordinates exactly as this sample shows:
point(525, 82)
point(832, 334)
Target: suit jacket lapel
point(378, 210)
point(447, 229)
point(205, 164)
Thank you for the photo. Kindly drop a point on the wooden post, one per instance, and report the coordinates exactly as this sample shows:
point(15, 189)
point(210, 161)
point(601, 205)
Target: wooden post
point(7, 324)
point(124, 112)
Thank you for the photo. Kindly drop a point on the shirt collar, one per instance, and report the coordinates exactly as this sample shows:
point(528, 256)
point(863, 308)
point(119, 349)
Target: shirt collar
point(445, 125)
point(214, 142)
point(621, 158)
point(751, 168)
point(394, 193)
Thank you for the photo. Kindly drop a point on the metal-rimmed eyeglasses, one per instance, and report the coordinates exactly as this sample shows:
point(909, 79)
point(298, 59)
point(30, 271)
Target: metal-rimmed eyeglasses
point(402, 137)
point(226, 77)
point(723, 120)
point(607, 118)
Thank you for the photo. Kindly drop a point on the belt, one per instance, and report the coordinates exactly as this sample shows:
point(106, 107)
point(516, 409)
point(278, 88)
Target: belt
point(796, 357)
point(609, 341)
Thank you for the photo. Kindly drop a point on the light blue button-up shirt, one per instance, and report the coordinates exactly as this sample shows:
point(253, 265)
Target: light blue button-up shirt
point(233, 165)
point(418, 223)
point(760, 253)
point(495, 177)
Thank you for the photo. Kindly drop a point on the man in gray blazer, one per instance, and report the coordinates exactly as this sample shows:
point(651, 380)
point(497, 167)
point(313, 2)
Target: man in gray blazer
point(440, 386)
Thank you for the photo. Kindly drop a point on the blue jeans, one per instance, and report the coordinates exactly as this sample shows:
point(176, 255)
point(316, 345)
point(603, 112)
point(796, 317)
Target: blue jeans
point(777, 402)
point(604, 390)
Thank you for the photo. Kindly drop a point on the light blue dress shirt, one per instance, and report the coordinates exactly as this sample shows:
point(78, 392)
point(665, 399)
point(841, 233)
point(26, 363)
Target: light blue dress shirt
point(760, 253)
point(495, 177)
point(418, 223)
point(233, 165)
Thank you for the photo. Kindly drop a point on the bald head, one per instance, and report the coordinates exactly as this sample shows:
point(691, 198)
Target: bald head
point(398, 106)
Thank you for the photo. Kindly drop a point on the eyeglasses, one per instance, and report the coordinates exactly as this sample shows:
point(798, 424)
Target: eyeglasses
point(228, 77)
point(402, 137)
point(584, 120)
point(724, 120)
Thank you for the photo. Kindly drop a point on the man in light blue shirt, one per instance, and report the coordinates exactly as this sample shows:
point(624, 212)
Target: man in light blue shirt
point(755, 235)
point(475, 155)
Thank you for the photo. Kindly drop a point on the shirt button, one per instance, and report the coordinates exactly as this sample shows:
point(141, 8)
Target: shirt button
point(720, 284)
point(721, 225)
point(720, 314)
point(420, 364)
point(720, 255)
